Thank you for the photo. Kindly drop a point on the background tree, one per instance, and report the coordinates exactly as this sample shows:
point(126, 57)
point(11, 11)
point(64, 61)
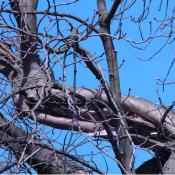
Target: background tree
point(39, 44)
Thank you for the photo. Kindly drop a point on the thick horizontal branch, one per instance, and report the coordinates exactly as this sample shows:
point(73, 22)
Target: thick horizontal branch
point(66, 124)
point(148, 114)
point(152, 113)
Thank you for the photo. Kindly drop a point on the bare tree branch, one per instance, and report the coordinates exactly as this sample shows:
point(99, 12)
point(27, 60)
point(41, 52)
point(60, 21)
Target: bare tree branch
point(44, 160)
point(33, 44)
point(112, 11)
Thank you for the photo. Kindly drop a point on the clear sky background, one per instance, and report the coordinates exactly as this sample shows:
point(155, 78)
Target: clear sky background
point(140, 76)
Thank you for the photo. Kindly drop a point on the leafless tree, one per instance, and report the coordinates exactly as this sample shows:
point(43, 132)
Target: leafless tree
point(37, 42)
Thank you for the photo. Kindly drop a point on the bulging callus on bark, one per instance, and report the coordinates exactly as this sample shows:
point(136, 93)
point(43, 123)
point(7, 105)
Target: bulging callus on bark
point(33, 71)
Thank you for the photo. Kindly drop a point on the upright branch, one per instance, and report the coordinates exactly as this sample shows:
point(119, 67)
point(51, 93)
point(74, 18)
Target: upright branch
point(27, 22)
point(34, 73)
point(25, 56)
point(111, 56)
point(112, 11)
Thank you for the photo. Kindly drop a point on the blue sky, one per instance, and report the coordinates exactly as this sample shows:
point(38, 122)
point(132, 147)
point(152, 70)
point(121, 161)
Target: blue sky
point(140, 76)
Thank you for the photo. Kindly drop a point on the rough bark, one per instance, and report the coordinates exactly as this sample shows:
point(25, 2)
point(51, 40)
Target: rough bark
point(37, 95)
point(125, 149)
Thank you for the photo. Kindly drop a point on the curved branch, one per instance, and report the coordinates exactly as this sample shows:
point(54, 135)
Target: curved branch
point(152, 112)
point(66, 124)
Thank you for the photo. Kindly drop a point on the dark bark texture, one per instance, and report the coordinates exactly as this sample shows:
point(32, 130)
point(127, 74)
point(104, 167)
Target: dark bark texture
point(39, 98)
